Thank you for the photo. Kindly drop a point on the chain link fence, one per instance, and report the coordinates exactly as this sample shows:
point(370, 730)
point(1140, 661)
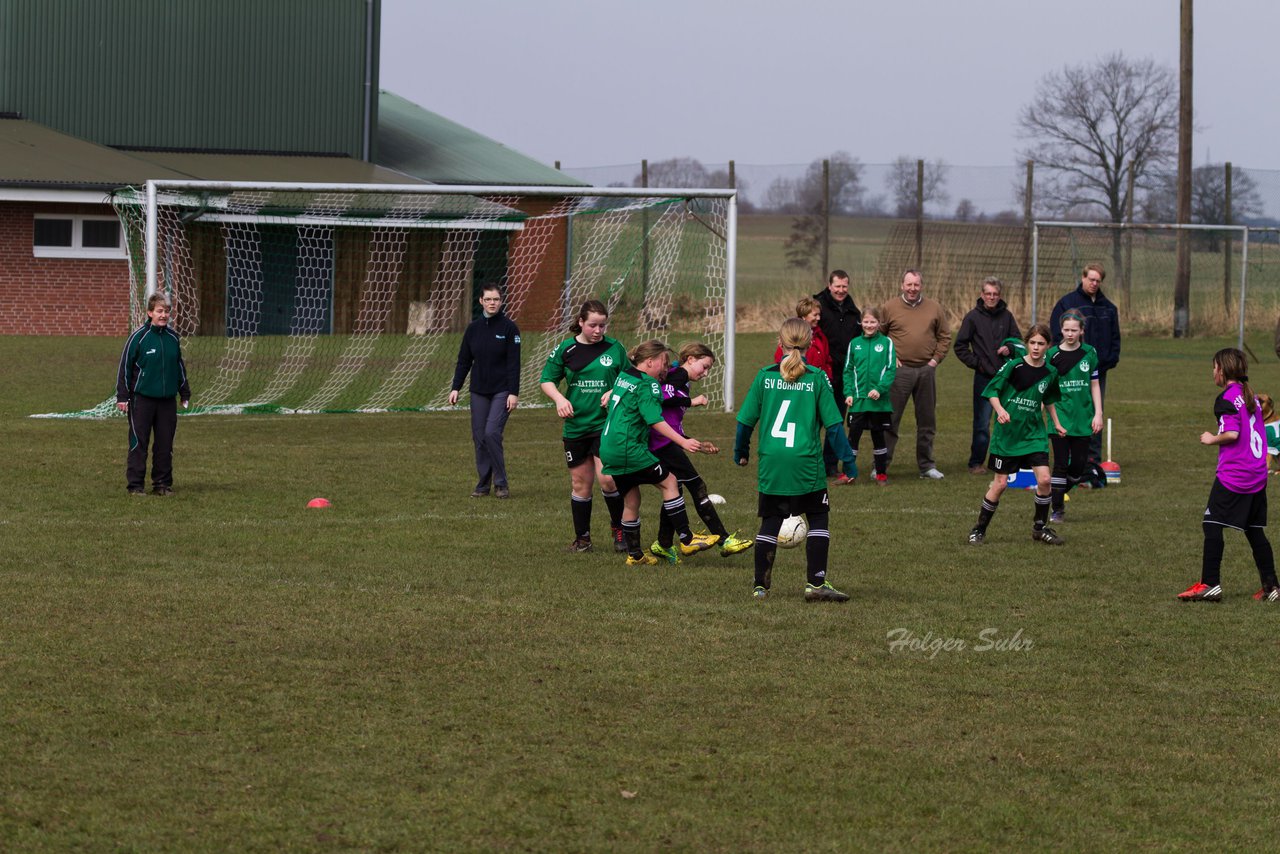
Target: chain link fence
point(960, 224)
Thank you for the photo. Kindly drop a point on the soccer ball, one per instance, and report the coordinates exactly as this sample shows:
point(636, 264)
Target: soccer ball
point(794, 530)
point(715, 499)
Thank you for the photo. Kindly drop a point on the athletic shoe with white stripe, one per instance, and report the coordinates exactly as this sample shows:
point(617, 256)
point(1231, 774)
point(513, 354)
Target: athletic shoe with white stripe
point(1048, 536)
point(1268, 595)
point(1201, 592)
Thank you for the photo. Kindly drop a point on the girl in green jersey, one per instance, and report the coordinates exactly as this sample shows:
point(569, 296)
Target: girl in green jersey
point(588, 363)
point(634, 408)
point(795, 404)
point(1078, 414)
point(1018, 392)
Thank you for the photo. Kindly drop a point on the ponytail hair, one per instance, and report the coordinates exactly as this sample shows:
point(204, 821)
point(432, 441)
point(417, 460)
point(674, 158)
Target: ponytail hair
point(647, 350)
point(1235, 368)
point(795, 337)
point(695, 350)
point(591, 306)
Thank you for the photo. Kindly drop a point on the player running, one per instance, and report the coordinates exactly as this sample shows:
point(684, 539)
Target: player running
point(795, 402)
point(588, 362)
point(1018, 393)
point(635, 407)
point(1078, 413)
point(696, 360)
point(1238, 497)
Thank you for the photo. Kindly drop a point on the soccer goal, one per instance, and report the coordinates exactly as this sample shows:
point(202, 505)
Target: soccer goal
point(353, 298)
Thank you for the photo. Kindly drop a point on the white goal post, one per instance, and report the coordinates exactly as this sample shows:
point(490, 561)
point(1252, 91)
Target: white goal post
point(311, 297)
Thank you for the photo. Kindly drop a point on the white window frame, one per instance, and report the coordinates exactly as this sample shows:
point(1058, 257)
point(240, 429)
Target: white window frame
point(77, 249)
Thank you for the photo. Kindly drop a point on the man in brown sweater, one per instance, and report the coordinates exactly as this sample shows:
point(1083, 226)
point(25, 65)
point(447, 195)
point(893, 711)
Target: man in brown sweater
point(919, 331)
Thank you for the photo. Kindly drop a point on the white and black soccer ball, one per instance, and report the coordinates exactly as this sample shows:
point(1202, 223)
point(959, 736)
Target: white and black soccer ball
point(794, 530)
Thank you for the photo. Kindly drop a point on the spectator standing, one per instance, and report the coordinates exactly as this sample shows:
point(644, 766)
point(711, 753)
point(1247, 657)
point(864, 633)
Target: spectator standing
point(840, 322)
point(980, 345)
point(1102, 330)
point(918, 327)
point(490, 352)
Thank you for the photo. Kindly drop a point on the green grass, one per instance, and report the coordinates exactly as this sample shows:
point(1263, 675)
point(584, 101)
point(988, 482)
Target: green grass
point(226, 670)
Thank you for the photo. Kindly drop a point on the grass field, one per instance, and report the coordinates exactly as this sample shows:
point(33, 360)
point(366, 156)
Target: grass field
point(414, 670)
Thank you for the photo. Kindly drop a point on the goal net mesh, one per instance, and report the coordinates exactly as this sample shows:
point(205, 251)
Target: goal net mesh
point(318, 301)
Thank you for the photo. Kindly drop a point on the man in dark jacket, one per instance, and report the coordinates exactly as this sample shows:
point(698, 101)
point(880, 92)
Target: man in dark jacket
point(841, 322)
point(980, 345)
point(1101, 330)
point(490, 352)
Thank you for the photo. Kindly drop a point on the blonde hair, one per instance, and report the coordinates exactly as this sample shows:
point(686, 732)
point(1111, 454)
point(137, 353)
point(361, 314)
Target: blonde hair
point(795, 337)
point(694, 350)
point(647, 350)
point(805, 305)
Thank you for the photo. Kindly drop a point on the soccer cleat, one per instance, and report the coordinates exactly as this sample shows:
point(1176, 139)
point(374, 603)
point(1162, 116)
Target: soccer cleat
point(734, 544)
point(619, 540)
point(580, 544)
point(1047, 536)
point(760, 593)
point(501, 492)
point(163, 490)
point(843, 479)
point(823, 592)
point(700, 542)
point(643, 560)
point(1268, 594)
point(977, 536)
point(669, 554)
point(1058, 516)
point(882, 480)
point(1201, 592)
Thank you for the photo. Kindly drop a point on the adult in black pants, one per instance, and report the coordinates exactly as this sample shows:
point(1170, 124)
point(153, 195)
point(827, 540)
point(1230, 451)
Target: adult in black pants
point(1102, 330)
point(150, 376)
point(980, 346)
point(490, 351)
point(841, 322)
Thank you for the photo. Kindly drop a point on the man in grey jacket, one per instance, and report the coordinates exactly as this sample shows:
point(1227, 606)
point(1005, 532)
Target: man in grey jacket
point(980, 345)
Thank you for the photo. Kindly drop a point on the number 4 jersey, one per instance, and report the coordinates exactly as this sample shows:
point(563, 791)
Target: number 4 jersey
point(1242, 464)
point(791, 416)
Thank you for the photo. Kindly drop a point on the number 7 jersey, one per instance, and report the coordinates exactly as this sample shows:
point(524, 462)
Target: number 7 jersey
point(791, 416)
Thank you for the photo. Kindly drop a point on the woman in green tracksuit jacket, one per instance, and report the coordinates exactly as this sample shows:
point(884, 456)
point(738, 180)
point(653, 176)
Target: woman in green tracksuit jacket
point(151, 374)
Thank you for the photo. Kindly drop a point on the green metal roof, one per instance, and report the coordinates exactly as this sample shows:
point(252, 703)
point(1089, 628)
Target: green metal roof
point(34, 155)
point(426, 145)
point(275, 167)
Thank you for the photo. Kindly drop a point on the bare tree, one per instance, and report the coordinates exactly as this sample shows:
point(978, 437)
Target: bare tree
point(809, 229)
point(966, 211)
point(1208, 200)
point(677, 172)
point(1092, 126)
point(901, 184)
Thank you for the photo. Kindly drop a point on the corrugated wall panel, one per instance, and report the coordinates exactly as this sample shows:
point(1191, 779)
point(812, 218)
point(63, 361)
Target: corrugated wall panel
point(263, 75)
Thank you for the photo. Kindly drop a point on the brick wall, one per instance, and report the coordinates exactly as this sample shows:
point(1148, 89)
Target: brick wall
point(77, 296)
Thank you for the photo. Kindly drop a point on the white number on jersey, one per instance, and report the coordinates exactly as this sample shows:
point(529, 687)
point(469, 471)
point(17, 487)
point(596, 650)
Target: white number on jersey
point(613, 404)
point(1257, 444)
point(778, 431)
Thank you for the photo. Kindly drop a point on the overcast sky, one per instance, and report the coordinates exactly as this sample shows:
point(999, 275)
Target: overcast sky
point(603, 82)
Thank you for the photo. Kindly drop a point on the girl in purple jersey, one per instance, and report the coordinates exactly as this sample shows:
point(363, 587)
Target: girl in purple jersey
point(1238, 498)
point(696, 360)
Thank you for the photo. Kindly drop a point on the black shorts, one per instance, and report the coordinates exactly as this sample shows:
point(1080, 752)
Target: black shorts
point(1010, 465)
point(1239, 510)
point(677, 462)
point(655, 473)
point(870, 420)
point(580, 450)
point(793, 505)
